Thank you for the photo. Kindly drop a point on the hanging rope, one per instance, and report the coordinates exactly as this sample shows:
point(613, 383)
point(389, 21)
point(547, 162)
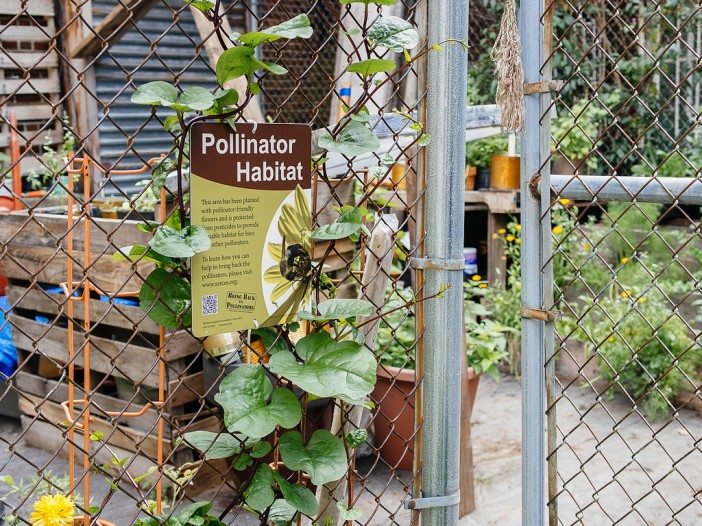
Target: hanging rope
point(507, 56)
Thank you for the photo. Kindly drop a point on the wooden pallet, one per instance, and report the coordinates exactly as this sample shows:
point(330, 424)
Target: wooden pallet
point(29, 79)
point(124, 340)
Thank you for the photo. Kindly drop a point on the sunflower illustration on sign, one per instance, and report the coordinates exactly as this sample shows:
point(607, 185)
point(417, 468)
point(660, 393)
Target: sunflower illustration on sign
point(291, 275)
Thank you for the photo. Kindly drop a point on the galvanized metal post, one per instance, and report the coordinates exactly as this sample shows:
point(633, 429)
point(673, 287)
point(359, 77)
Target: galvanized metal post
point(537, 333)
point(445, 161)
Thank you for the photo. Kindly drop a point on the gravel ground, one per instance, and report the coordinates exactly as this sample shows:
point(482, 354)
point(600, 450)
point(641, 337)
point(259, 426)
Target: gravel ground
point(640, 474)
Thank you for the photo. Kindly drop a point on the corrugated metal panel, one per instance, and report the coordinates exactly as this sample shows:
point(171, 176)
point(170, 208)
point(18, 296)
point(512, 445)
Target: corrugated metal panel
point(162, 46)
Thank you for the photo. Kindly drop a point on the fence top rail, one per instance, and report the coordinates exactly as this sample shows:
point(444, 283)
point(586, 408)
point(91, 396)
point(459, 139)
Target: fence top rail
point(678, 190)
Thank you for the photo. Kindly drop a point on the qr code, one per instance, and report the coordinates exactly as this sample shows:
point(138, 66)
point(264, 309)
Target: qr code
point(209, 304)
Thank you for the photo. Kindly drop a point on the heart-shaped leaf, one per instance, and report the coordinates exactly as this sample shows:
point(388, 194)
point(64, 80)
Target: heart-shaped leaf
point(329, 369)
point(183, 243)
point(371, 66)
point(166, 298)
point(339, 309)
point(197, 98)
point(156, 93)
point(235, 62)
point(298, 27)
point(353, 139)
point(214, 445)
point(259, 494)
point(251, 405)
point(348, 514)
point(393, 33)
point(323, 459)
point(336, 231)
point(281, 513)
point(299, 497)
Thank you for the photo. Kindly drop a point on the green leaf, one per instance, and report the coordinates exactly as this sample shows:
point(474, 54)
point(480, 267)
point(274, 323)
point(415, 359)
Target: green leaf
point(197, 98)
point(329, 369)
point(261, 449)
point(281, 513)
point(424, 139)
point(214, 445)
point(227, 97)
point(339, 309)
point(183, 243)
point(202, 5)
point(235, 62)
point(348, 514)
point(251, 405)
point(196, 509)
point(336, 231)
point(371, 66)
point(323, 459)
point(242, 462)
point(299, 497)
point(274, 68)
point(393, 33)
point(353, 139)
point(172, 124)
point(272, 341)
point(259, 495)
point(356, 438)
point(96, 436)
point(156, 93)
point(255, 88)
point(298, 27)
point(166, 298)
point(141, 253)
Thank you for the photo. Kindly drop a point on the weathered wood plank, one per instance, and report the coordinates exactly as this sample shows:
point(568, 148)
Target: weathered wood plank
point(104, 233)
point(120, 436)
point(186, 389)
point(48, 265)
point(139, 363)
point(35, 7)
point(22, 87)
point(123, 316)
point(29, 60)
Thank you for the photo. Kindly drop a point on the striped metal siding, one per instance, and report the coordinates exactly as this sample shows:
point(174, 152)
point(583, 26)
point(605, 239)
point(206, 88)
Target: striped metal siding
point(130, 135)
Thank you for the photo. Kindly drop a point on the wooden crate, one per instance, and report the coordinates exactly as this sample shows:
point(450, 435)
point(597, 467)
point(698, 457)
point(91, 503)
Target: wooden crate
point(29, 78)
point(124, 341)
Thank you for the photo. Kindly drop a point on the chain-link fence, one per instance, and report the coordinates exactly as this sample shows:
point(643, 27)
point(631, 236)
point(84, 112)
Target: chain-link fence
point(622, 391)
point(105, 393)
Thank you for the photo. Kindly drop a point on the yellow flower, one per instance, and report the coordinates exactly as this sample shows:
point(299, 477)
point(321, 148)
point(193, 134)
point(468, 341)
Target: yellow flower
point(558, 229)
point(53, 510)
point(518, 241)
point(482, 286)
point(624, 260)
point(518, 228)
point(510, 238)
point(502, 231)
point(641, 300)
point(476, 277)
point(625, 294)
point(564, 201)
point(587, 246)
point(611, 339)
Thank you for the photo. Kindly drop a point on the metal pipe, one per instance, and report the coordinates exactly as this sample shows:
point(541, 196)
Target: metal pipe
point(535, 242)
point(668, 190)
point(447, 73)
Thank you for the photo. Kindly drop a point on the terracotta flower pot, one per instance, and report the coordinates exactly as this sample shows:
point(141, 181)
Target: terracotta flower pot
point(78, 521)
point(471, 172)
point(394, 413)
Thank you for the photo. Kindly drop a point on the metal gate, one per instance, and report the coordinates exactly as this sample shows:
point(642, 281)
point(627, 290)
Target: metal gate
point(611, 196)
point(109, 395)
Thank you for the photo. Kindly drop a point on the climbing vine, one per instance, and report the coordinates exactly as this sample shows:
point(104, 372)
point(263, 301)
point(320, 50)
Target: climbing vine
point(331, 361)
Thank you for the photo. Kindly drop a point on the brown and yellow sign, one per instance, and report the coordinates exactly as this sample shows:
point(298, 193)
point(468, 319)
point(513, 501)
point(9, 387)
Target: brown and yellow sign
point(250, 189)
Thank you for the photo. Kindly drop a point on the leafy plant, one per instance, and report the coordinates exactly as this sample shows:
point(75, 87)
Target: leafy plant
point(479, 153)
point(576, 131)
point(53, 162)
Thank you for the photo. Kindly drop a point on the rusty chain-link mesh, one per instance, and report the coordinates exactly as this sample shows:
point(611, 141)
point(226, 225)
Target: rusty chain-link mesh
point(69, 68)
point(625, 418)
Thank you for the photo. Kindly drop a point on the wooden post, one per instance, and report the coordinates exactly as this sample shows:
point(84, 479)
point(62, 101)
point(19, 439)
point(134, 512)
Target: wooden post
point(374, 284)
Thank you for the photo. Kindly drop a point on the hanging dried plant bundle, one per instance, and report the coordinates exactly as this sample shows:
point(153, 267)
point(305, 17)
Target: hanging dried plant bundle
point(507, 55)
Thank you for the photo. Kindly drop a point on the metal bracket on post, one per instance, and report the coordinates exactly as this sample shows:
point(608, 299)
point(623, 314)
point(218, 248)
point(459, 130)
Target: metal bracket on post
point(432, 502)
point(437, 264)
point(533, 88)
point(549, 316)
